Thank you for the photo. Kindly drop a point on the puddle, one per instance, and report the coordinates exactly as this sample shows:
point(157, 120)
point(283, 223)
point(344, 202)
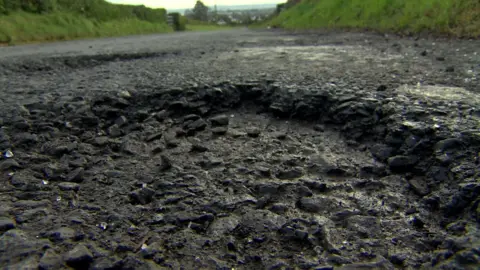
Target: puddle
point(314, 53)
point(442, 93)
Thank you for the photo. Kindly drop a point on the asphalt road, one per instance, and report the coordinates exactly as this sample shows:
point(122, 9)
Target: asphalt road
point(240, 149)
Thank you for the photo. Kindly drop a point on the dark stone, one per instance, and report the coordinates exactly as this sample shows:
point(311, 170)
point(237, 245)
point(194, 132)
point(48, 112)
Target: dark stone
point(279, 208)
point(456, 205)
point(375, 170)
point(171, 142)
point(382, 88)
point(180, 132)
point(125, 247)
point(162, 115)
point(338, 260)
point(154, 137)
point(319, 128)
point(336, 172)
point(450, 69)
point(219, 130)
point(378, 263)
point(253, 132)
point(79, 257)
point(157, 150)
point(448, 144)
point(66, 186)
point(76, 175)
point(61, 234)
point(300, 235)
point(50, 260)
point(439, 174)
point(263, 171)
point(419, 186)
point(79, 162)
point(457, 228)
point(417, 223)
point(468, 258)
point(25, 139)
point(114, 131)
point(401, 163)
point(9, 164)
point(6, 224)
point(324, 267)
point(315, 185)
point(280, 135)
point(106, 263)
point(292, 173)
point(198, 148)
point(121, 121)
point(23, 178)
point(259, 221)
point(100, 141)
point(191, 117)
point(440, 58)
point(304, 191)
point(142, 196)
point(197, 125)
point(314, 205)
point(411, 211)
point(219, 120)
point(424, 53)
point(141, 115)
point(398, 259)
point(381, 152)
point(165, 164)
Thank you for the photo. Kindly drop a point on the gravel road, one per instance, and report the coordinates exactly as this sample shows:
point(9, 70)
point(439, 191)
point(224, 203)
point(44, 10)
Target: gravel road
point(241, 149)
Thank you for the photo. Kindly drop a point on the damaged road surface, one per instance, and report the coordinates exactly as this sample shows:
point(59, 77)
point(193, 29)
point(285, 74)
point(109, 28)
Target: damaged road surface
point(241, 150)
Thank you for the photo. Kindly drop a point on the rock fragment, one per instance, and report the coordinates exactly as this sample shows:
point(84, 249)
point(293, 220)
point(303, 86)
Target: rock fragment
point(142, 196)
point(402, 163)
point(6, 224)
point(76, 175)
point(220, 120)
point(79, 257)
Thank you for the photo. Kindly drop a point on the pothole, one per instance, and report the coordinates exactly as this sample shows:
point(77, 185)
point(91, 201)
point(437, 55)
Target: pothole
point(244, 175)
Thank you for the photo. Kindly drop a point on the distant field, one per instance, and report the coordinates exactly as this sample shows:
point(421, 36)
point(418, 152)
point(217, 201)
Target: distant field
point(453, 17)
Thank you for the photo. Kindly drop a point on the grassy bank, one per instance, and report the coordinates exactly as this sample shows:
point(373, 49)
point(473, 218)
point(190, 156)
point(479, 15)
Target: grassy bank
point(49, 20)
point(454, 17)
point(21, 27)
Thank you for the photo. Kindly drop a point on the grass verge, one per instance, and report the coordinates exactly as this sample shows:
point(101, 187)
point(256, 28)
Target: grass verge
point(22, 27)
point(452, 17)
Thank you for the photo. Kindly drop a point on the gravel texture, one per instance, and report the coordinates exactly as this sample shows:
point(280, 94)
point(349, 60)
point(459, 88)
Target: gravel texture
point(241, 149)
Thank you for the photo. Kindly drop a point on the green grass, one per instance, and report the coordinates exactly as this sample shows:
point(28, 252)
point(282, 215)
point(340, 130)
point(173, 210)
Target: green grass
point(453, 17)
point(47, 20)
point(21, 27)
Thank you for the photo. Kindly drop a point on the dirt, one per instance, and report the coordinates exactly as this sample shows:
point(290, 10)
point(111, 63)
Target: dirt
point(241, 150)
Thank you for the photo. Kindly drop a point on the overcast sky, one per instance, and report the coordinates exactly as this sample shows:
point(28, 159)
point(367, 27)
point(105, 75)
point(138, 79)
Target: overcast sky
point(172, 4)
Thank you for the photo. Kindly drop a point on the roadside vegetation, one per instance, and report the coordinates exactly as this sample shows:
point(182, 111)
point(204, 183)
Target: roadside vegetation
point(48, 20)
point(452, 17)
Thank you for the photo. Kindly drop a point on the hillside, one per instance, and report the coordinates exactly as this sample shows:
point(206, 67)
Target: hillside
point(453, 17)
point(32, 20)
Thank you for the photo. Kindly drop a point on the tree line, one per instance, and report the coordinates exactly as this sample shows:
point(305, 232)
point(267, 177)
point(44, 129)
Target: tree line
point(95, 9)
